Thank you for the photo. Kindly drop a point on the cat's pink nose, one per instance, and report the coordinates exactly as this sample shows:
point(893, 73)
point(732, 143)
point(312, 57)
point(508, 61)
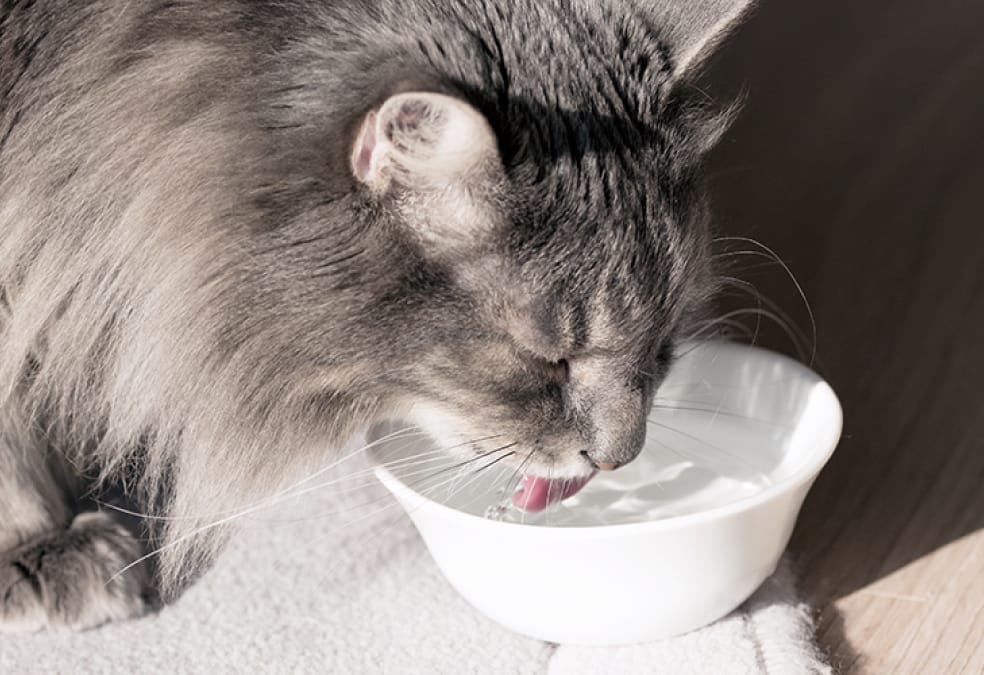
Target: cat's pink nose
point(601, 466)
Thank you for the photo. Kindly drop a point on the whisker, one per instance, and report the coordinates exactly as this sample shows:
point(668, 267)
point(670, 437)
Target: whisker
point(474, 495)
point(496, 461)
point(428, 472)
point(517, 474)
point(277, 498)
point(790, 326)
point(750, 288)
point(739, 460)
point(445, 449)
point(473, 476)
point(369, 471)
point(716, 411)
point(420, 486)
point(477, 457)
point(799, 288)
point(764, 313)
point(331, 466)
point(415, 479)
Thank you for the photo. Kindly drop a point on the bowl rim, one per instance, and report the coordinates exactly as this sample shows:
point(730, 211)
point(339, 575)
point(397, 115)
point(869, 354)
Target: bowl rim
point(806, 473)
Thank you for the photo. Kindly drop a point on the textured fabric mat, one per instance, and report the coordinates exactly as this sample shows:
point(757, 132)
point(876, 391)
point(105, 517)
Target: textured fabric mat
point(339, 582)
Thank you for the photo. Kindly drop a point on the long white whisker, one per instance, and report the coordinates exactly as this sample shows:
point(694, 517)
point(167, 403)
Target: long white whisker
point(793, 279)
point(278, 498)
point(476, 475)
point(306, 479)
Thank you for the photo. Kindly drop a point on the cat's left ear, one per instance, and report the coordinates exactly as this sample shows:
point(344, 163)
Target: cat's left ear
point(423, 140)
point(694, 28)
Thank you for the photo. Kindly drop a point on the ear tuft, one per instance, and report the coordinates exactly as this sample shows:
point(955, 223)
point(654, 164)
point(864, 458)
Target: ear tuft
point(694, 28)
point(422, 140)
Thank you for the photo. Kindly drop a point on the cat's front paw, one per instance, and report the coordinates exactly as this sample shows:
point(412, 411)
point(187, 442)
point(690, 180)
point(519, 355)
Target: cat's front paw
point(69, 579)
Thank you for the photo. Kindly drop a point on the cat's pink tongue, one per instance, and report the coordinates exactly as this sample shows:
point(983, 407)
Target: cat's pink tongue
point(536, 494)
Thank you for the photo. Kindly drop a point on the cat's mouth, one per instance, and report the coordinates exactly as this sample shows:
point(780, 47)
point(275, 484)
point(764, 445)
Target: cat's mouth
point(537, 493)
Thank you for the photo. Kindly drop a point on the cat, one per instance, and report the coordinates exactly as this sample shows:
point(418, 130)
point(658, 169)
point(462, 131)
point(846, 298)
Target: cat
point(233, 233)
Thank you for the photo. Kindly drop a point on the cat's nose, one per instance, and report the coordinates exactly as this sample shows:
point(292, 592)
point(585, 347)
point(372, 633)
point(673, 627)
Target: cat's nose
point(601, 466)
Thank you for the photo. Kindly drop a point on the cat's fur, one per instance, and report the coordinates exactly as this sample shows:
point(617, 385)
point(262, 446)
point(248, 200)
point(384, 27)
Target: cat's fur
point(227, 243)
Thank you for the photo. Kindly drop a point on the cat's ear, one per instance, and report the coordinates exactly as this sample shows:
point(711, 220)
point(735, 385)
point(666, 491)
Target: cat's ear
point(423, 140)
point(695, 27)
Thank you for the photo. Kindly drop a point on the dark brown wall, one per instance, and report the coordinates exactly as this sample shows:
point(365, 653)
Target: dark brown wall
point(860, 159)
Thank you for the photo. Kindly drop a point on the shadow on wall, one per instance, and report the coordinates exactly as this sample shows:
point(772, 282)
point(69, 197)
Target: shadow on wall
point(860, 159)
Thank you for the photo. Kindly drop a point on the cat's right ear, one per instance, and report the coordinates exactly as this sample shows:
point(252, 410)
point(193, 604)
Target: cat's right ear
point(423, 140)
point(694, 28)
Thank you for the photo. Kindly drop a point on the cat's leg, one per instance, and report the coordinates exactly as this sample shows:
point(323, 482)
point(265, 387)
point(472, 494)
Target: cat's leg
point(58, 569)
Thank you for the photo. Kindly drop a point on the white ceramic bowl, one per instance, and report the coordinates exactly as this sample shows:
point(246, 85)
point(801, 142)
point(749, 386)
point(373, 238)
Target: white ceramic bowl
point(636, 582)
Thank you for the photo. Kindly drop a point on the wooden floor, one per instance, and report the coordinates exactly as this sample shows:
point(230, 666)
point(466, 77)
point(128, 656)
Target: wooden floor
point(860, 159)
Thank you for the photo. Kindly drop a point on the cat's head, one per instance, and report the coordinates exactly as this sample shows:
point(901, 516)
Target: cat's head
point(558, 286)
point(536, 226)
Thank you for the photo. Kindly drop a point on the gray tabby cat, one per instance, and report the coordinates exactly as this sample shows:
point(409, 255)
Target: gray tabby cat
point(235, 232)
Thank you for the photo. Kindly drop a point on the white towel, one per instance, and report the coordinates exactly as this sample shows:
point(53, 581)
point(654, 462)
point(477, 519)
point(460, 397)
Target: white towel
point(339, 582)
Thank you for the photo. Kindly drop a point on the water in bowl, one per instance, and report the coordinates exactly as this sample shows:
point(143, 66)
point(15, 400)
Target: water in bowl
point(692, 461)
